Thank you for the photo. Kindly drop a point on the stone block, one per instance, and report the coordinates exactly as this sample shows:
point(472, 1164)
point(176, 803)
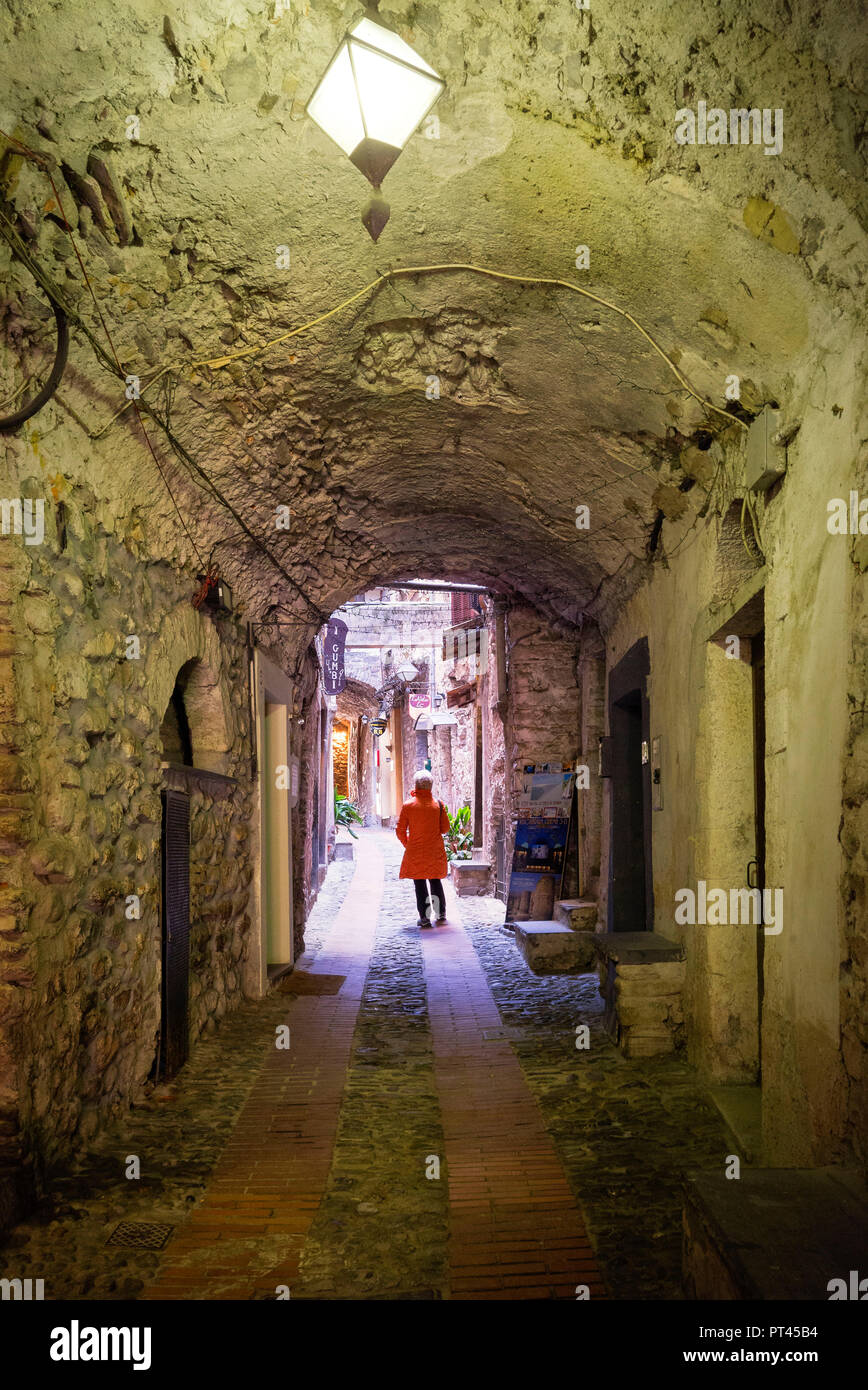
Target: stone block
point(776, 1234)
point(640, 987)
point(553, 949)
point(471, 877)
point(578, 913)
point(666, 975)
point(647, 1042)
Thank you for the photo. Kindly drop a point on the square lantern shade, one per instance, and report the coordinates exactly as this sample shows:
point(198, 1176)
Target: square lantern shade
point(372, 97)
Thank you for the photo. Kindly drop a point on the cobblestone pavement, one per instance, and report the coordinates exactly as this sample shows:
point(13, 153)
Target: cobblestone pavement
point(625, 1131)
point(178, 1132)
point(411, 1065)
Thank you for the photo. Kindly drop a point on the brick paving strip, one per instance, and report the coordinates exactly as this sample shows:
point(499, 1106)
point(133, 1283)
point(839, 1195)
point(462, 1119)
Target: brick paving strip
point(516, 1230)
point(246, 1236)
point(626, 1132)
point(381, 1229)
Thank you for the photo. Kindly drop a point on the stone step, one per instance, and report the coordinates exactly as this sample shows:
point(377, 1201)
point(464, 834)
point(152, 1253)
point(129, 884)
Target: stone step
point(344, 844)
point(780, 1234)
point(578, 913)
point(472, 877)
point(550, 948)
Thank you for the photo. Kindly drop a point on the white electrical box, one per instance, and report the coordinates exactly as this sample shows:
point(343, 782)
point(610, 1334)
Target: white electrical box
point(766, 461)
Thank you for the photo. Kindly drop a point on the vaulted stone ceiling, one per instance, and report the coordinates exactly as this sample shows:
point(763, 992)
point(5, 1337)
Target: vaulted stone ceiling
point(556, 130)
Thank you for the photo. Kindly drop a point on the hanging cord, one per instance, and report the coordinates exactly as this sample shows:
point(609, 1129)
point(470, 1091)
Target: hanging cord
point(747, 505)
point(43, 396)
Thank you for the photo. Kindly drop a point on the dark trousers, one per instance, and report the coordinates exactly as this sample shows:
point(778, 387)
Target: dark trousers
point(421, 886)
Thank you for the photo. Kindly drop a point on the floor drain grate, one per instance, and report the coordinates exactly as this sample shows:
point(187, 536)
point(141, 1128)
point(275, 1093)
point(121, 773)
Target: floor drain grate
point(144, 1235)
point(307, 982)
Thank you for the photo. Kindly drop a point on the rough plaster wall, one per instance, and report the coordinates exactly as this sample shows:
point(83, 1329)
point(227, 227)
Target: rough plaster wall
point(494, 775)
point(82, 777)
point(463, 751)
point(811, 1103)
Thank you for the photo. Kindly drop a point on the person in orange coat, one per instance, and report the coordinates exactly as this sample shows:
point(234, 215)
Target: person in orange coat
point(421, 826)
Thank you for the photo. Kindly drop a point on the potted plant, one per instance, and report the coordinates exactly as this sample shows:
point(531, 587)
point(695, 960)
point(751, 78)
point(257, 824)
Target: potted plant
point(459, 837)
point(346, 813)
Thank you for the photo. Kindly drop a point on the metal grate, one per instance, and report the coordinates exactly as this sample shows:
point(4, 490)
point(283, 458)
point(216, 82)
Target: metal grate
point(308, 982)
point(143, 1235)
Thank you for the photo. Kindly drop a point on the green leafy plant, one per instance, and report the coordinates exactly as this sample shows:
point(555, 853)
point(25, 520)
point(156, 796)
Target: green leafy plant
point(459, 837)
point(346, 813)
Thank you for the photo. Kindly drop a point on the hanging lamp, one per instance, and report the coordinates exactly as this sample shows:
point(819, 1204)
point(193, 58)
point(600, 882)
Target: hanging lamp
point(372, 96)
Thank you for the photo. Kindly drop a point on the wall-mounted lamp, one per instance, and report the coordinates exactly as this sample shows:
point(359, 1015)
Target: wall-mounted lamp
point(371, 98)
point(214, 595)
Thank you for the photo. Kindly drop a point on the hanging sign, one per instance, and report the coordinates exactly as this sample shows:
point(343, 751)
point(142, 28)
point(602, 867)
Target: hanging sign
point(378, 727)
point(334, 675)
point(418, 701)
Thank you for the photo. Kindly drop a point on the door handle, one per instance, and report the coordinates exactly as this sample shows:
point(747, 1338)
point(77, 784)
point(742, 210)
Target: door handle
point(752, 863)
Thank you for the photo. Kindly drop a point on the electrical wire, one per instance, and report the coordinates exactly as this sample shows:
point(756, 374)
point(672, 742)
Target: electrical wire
point(224, 361)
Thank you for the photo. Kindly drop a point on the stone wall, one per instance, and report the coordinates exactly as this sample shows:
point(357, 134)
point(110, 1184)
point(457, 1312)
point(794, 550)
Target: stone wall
point(493, 758)
point(543, 721)
point(81, 779)
point(341, 758)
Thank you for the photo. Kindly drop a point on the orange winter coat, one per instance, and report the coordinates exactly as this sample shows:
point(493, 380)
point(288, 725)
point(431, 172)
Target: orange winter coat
point(421, 826)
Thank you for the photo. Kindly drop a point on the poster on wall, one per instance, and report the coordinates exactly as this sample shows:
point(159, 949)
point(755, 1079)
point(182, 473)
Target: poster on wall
point(537, 862)
point(334, 675)
point(547, 785)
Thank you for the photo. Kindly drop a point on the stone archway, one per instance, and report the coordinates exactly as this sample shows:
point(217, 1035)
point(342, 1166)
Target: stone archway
point(184, 670)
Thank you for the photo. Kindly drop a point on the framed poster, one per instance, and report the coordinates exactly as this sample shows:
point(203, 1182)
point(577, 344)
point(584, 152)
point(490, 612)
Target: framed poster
point(537, 864)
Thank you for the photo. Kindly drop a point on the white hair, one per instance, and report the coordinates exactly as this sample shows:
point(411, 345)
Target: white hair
point(423, 778)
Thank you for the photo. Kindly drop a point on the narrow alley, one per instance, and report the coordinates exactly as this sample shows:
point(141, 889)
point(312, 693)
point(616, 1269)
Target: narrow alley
point(433, 673)
point(310, 1167)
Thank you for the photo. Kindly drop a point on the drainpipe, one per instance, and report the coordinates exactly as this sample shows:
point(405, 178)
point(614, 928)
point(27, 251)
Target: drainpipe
point(500, 610)
point(251, 696)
